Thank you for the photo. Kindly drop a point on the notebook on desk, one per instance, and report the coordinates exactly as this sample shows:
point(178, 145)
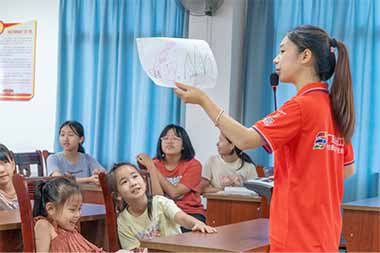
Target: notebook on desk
point(238, 191)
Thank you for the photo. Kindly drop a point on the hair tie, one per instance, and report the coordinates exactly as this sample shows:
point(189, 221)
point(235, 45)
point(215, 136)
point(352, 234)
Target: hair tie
point(333, 43)
point(41, 186)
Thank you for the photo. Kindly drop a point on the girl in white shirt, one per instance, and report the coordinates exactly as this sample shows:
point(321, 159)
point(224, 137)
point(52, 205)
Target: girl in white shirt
point(230, 168)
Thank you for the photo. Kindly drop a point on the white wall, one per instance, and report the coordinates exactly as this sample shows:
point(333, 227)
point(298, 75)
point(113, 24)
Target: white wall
point(29, 125)
point(224, 33)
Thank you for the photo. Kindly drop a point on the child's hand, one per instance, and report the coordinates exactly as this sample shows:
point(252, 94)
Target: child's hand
point(226, 181)
point(200, 226)
point(94, 179)
point(145, 161)
point(237, 180)
point(139, 250)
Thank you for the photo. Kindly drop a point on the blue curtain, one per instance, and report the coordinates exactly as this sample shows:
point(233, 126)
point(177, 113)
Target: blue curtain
point(101, 82)
point(357, 24)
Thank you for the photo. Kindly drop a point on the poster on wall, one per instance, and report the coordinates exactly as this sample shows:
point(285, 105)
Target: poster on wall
point(17, 60)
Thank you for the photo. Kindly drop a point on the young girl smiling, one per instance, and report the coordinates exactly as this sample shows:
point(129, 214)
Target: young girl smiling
point(143, 216)
point(56, 210)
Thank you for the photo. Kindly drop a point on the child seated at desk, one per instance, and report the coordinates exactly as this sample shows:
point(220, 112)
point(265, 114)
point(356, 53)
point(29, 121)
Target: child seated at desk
point(143, 216)
point(230, 168)
point(177, 171)
point(56, 212)
point(73, 160)
point(8, 198)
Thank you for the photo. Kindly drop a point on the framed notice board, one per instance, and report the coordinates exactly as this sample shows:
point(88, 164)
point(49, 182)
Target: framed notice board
point(17, 60)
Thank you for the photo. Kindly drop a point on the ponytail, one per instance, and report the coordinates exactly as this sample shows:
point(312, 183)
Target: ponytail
point(244, 157)
point(341, 94)
point(39, 200)
point(81, 148)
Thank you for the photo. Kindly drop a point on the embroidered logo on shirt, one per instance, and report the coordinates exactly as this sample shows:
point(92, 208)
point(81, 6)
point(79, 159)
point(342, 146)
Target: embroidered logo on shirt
point(324, 140)
point(270, 119)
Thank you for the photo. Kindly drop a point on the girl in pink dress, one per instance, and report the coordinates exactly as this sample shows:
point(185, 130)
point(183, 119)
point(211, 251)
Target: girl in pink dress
point(56, 213)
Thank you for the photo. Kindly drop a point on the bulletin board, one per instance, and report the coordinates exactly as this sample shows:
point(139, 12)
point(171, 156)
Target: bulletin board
point(17, 60)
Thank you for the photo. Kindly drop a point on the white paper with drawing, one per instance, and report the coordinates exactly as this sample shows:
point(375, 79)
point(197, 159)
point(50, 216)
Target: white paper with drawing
point(167, 60)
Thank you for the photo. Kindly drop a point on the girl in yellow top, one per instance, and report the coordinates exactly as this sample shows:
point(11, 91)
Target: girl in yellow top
point(143, 216)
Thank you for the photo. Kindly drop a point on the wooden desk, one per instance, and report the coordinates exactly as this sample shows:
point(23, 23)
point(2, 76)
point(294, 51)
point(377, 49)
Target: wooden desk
point(248, 236)
point(361, 225)
point(223, 209)
point(92, 227)
point(92, 194)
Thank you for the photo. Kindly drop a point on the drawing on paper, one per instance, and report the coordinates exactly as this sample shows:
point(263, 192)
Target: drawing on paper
point(166, 60)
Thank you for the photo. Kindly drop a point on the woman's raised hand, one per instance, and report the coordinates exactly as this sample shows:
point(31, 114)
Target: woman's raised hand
point(190, 94)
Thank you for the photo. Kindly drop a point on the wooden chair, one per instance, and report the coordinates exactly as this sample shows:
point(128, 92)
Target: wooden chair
point(45, 155)
point(25, 207)
point(31, 183)
point(111, 217)
point(25, 161)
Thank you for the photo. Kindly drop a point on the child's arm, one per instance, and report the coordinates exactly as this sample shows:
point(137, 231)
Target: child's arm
point(190, 222)
point(43, 235)
point(207, 188)
point(173, 191)
point(86, 180)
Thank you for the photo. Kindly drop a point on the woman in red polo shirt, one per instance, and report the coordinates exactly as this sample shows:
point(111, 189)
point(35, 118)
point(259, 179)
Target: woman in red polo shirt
point(175, 172)
point(310, 135)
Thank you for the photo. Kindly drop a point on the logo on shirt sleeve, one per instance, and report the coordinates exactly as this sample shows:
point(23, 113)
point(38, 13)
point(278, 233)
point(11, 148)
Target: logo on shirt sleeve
point(267, 121)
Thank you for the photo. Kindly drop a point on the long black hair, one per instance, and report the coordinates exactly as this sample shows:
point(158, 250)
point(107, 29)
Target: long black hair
point(57, 191)
point(77, 128)
point(111, 179)
point(244, 157)
point(341, 95)
point(187, 152)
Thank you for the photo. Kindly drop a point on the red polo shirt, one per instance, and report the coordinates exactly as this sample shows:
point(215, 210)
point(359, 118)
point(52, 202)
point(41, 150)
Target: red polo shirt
point(310, 154)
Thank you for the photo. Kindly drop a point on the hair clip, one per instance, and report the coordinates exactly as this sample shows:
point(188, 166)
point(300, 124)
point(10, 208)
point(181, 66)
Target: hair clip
point(333, 42)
